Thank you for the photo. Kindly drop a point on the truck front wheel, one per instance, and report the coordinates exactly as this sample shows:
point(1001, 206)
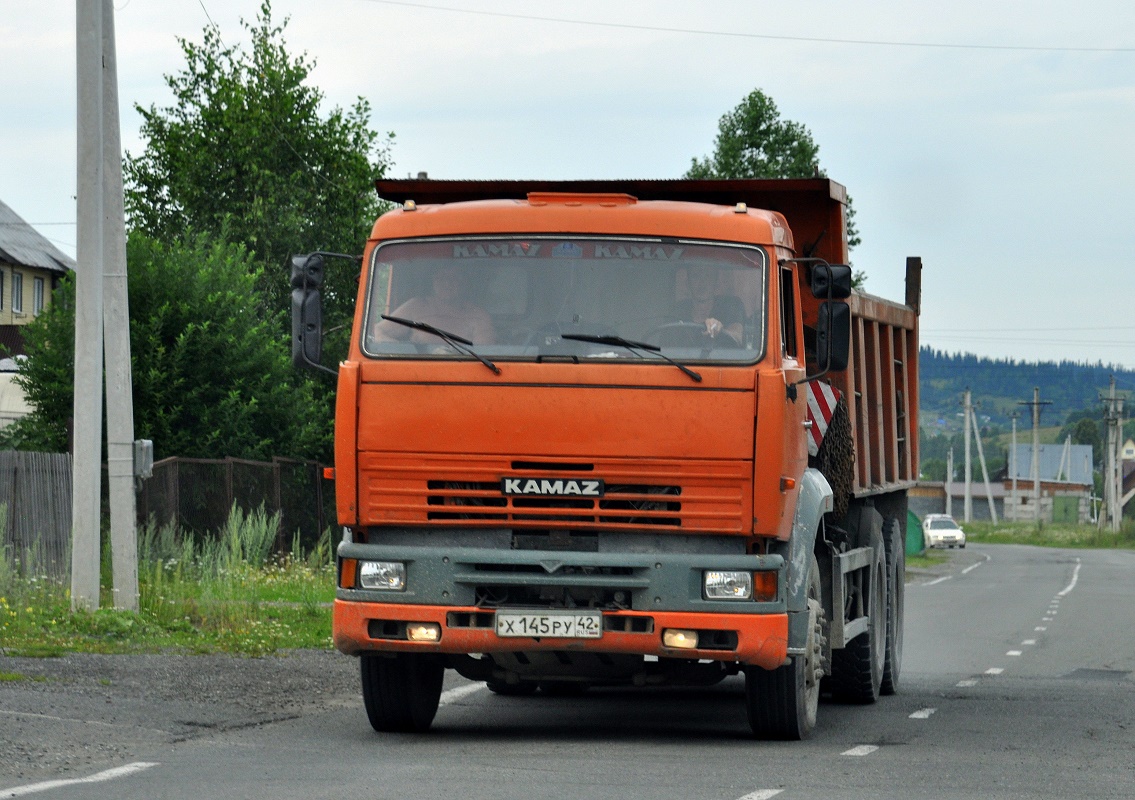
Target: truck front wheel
point(401, 693)
point(783, 703)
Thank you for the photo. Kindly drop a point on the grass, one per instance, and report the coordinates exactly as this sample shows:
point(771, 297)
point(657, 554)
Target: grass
point(222, 593)
point(1051, 534)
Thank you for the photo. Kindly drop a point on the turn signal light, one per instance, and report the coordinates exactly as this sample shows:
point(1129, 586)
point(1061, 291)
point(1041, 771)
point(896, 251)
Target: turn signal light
point(423, 631)
point(764, 586)
point(680, 639)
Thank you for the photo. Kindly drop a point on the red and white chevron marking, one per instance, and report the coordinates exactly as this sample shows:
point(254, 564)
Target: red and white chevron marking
point(822, 400)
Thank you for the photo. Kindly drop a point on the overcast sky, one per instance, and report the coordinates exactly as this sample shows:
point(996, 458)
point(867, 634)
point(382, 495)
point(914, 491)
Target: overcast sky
point(992, 139)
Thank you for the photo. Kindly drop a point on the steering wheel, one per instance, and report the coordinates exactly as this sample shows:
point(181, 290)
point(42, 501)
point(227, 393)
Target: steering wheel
point(689, 333)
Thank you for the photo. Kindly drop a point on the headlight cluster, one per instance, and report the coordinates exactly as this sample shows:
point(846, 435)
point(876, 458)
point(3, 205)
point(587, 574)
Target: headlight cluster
point(389, 576)
point(740, 585)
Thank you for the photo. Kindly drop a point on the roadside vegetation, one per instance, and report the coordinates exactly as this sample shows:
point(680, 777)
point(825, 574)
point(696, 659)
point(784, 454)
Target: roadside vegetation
point(1051, 534)
point(226, 592)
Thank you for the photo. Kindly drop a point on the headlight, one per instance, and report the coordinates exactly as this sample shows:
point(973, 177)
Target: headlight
point(389, 576)
point(728, 585)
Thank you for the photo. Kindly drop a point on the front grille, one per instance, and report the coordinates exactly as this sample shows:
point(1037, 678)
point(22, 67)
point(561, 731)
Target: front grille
point(622, 504)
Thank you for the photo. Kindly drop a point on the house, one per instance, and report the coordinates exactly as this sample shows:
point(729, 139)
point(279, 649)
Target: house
point(30, 269)
point(1127, 453)
point(1066, 481)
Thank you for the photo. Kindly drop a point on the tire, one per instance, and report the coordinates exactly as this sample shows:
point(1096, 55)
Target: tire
point(401, 694)
point(783, 703)
point(522, 689)
point(857, 669)
point(894, 543)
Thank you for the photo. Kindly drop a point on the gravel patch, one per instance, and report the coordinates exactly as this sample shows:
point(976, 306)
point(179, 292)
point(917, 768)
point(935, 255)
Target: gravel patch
point(83, 712)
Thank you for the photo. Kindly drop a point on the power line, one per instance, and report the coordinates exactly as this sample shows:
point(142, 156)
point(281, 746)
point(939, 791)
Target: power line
point(743, 35)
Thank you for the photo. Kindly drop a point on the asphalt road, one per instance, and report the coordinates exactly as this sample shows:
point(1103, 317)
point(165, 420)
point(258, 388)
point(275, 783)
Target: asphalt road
point(1018, 682)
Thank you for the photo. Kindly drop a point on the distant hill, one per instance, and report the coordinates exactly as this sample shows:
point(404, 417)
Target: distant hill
point(998, 385)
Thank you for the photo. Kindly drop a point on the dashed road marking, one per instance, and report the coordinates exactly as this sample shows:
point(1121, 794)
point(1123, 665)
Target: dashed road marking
point(1046, 619)
point(861, 750)
point(1075, 577)
point(98, 777)
point(966, 683)
point(938, 580)
point(1013, 653)
point(994, 671)
point(761, 794)
point(923, 713)
point(1040, 628)
point(971, 567)
point(1029, 641)
point(455, 694)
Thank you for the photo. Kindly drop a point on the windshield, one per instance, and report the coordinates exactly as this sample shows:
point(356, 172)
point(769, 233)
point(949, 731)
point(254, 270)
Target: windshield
point(523, 298)
point(943, 524)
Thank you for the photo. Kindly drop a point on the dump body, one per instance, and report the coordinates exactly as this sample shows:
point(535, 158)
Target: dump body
point(558, 472)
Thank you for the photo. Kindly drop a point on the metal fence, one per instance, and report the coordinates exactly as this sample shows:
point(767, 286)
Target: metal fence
point(197, 494)
point(35, 510)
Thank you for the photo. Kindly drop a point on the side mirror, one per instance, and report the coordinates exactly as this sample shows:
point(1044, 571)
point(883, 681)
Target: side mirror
point(831, 281)
point(833, 336)
point(307, 312)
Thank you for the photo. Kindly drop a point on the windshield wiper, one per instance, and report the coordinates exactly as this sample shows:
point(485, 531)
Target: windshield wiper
point(633, 346)
point(458, 343)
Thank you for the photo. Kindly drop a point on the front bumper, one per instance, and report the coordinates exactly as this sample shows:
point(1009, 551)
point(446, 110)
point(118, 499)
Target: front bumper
point(449, 586)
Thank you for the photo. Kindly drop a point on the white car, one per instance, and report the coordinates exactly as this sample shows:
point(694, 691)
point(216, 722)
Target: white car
point(940, 530)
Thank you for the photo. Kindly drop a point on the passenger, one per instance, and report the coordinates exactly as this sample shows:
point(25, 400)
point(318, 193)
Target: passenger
point(445, 308)
point(720, 313)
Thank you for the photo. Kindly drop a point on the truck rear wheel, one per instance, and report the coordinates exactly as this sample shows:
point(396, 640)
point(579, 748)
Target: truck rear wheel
point(401, 694)
point(857, 669)
point(783, 703)
point(895, 545)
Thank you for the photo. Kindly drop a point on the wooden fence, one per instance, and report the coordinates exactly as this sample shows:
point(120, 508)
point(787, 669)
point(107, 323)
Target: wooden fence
point(35, 510)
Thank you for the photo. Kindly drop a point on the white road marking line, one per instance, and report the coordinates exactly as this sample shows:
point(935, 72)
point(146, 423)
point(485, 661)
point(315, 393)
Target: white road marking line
point(861, 750)
point(1040, 628)
point(1029, 641)
point(99, 777)
point(923, 713)
point(761, 794)
point(455, 694)
point(1013, 653)
point(938, 580)
point(994, 671)
point(966, 683)
point(81, 721)
point(1046, 619)
point(975, 566)
point(1075, 577)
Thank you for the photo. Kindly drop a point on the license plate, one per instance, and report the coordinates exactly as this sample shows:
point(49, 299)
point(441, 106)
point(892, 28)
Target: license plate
point(553, 624)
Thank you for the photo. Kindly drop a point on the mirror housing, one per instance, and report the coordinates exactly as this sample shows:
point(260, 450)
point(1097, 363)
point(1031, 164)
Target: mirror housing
point(833, 337)
point(831, 281)
point(307, 312)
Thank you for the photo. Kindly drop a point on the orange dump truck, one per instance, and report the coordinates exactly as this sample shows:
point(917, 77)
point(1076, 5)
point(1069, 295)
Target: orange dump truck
point(596, 433)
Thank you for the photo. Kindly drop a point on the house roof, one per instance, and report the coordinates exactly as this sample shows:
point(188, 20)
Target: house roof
point(1050, 456)
point(24, 246)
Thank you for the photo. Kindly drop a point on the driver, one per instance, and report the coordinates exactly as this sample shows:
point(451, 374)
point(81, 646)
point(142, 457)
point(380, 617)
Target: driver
point(445, 308)
point(720, 313)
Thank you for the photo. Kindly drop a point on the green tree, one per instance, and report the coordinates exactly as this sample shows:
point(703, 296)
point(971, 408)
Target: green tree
point(212, 371)
point(244, 151)
point(754, 142)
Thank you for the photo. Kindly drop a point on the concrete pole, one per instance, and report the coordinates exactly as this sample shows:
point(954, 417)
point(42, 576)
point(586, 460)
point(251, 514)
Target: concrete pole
point(950, 482)
point(984, 470)
point(969, 466)
point(1013, 468)
point(116, 338)
point(87, 442)
point(1108, 455)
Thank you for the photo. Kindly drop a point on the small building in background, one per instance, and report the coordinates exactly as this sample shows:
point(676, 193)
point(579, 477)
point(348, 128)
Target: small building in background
point(30, 269)
point(1066, 481)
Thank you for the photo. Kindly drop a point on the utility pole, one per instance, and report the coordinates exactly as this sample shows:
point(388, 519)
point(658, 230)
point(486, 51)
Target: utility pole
point(101, 320)
point(1113, 471)
point(1036, 406)
point(984, 470)
point(950, 482)
point(968, 508)
point(1013, 466)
